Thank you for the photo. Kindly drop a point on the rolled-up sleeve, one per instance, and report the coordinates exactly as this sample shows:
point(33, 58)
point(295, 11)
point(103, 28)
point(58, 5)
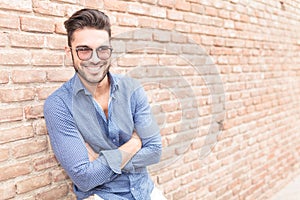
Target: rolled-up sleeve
point(148, 130)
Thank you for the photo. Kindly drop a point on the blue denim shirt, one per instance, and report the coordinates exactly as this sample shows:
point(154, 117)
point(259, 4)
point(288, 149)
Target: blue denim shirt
point(73, 117)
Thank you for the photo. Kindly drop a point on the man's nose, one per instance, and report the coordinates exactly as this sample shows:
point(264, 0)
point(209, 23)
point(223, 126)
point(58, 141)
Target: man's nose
point(94, 59)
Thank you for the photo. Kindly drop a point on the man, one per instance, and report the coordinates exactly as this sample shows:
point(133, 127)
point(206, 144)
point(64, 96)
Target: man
point(100, 124)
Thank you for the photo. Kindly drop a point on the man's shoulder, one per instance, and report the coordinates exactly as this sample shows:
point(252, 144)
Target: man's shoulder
point(126, 82)
point(63, 93)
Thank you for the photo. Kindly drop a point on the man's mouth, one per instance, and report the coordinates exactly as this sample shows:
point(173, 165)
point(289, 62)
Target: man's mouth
point(94, 68)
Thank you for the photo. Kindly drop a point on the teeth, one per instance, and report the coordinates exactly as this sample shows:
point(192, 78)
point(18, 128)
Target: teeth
point(93, 69)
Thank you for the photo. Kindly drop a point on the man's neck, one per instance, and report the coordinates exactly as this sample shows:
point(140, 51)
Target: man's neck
point(102, 87)
point(97, 88)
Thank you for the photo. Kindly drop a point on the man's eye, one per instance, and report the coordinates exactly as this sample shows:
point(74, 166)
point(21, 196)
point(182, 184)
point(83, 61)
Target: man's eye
point(83, 49)
point(104, 48)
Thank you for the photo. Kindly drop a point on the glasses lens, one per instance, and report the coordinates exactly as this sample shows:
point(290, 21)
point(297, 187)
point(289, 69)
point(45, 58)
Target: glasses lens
point(84, 53)
point(104, 52)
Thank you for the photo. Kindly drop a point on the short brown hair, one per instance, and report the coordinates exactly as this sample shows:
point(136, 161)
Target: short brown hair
point(87, 18)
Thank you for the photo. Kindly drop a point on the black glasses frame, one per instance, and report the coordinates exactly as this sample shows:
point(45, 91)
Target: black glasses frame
point(99, 50)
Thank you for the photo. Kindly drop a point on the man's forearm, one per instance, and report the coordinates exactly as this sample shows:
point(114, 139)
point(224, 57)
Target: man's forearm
point(130, 148)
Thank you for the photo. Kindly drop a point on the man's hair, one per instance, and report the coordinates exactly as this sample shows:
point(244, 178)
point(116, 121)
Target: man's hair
point(90, 18)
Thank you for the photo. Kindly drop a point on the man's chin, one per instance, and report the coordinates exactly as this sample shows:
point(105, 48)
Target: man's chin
point(96, 80)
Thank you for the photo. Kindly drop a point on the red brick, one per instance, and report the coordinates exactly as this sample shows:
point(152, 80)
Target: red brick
point(60, 75)
point(45, 162)
point(159, 12)
point(56, 42)
point(165, 130)
point(59, 175)
point(40, 127)
point(4, 153)
point(173, 117)
point(44, 92)
point(26, 40)
point(33, 183)
point(28, 76)
point(29, 147)
point(33, 112)
point(194, 187)
point(11, 114)
point(174, 15)
point(165, 25)
point(183, 27)
point(48, 8)
point(183, 5)
point(3, 39)
point(59, 26)
point(171, 186)
point(198, 9)
point(187, 178)
point(14, 170)
point(128, 60)
point(47, 59)
point(115, 5)
point(191, 17)
point(15, 57)
point(67, 1)
point(181, 171)
point(165, 177)
point(4, 77)
point(169, 107)
point(25, 6)
point(180, 194)
point(8, 20)
point(127, 20)
point(57, 192)
point(137, 8)
point(167, 3)
point(225, 14)
point(7, 190)
point(91, 3)
point(148, 1)
point(147, 22)
point(16, 95)
point(37, 24)
point(17, 133)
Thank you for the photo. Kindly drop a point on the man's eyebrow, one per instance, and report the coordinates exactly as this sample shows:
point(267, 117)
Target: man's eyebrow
point(80, 46)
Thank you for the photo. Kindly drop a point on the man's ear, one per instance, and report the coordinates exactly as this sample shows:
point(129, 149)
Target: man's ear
point(68, 51)
point(69, 58)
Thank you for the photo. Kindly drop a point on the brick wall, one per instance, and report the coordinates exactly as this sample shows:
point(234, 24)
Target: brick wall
point(222, 78)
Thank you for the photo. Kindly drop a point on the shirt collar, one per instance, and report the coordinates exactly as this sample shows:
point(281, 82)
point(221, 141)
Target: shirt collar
point(114, 83)
point(78, 85)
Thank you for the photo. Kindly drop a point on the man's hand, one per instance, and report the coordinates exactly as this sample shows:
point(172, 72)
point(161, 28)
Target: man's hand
point(130, 148)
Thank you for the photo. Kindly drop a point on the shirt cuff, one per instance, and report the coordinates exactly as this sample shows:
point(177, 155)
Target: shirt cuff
point(128, 167)
point(113, 159)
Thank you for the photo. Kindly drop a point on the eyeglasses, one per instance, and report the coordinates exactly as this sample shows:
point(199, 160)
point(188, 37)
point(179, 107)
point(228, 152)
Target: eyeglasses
point(85, 53)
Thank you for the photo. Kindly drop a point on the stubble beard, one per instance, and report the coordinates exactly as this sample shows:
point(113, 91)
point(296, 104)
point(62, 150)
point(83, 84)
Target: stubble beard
point(87, 77)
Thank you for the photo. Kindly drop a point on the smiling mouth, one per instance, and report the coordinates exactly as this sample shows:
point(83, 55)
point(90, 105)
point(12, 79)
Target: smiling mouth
point(94, 68)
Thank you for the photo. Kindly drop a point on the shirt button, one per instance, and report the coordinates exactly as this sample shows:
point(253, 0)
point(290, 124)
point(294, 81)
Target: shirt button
point(132, 189)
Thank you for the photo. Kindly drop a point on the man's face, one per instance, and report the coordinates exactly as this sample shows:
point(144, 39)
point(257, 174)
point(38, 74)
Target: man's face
point(91, 69)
